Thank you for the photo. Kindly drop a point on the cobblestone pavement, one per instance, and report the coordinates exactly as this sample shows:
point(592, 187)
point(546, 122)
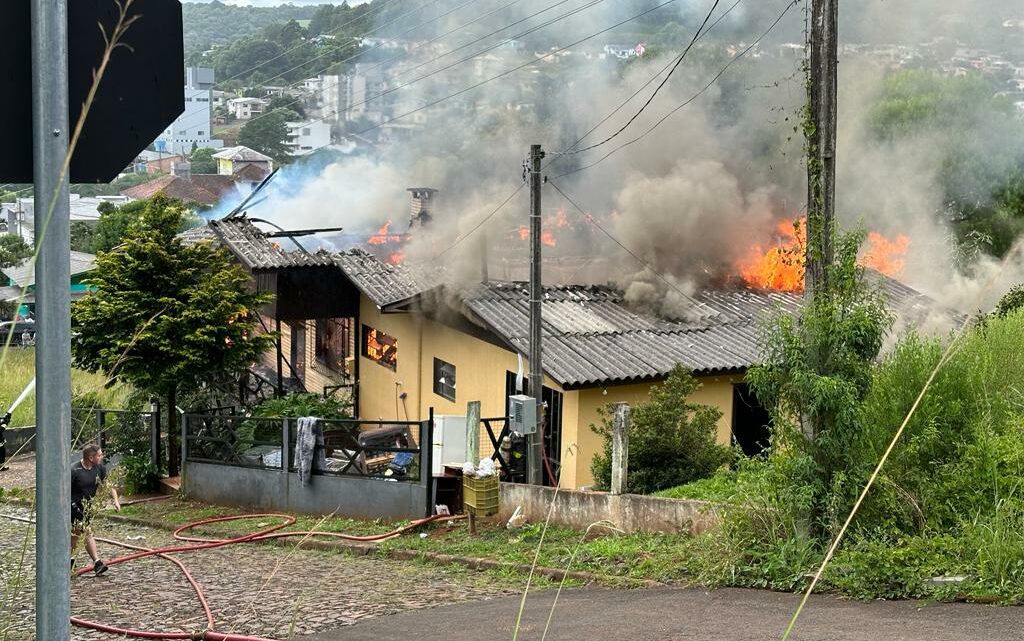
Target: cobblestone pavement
point(252, 589)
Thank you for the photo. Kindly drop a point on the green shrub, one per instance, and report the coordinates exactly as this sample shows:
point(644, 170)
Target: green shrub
point(299, 404)
point(138, 474)
point(671, 440)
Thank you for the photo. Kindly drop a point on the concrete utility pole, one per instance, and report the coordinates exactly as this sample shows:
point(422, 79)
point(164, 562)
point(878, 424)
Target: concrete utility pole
point(821, 140)
point(534, 443)
point(50, 137)
point(620, 448)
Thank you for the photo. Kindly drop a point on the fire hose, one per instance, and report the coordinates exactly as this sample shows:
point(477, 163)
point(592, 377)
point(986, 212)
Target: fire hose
point(195, 544)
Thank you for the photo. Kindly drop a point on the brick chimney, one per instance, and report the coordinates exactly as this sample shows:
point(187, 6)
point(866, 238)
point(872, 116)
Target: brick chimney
point(422, 206)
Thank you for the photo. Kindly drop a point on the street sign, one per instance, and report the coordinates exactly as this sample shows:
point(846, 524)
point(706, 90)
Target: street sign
point(140, 94)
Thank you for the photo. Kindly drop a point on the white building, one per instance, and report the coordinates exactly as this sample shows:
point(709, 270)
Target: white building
point(193, 128)
point(306, 137)
point(246, 108)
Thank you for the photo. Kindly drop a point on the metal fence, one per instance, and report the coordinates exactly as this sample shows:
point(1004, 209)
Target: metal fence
point(120, 431)
point(373, 449)
point(374, 469)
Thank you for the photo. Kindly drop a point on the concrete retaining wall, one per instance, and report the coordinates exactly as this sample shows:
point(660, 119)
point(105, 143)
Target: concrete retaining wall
point(271, 489)
point(17, 437)
point(630, 512)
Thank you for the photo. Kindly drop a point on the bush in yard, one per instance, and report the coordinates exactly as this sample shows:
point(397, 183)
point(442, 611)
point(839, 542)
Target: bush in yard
point(299, 404)
point(137, 474)
point(671, 440)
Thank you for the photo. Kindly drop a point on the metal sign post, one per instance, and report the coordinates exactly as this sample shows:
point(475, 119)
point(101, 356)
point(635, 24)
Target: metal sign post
point(53, 321)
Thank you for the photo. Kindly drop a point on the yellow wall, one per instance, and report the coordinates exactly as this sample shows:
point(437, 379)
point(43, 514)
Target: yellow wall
point(715, 391)
point(379, 387)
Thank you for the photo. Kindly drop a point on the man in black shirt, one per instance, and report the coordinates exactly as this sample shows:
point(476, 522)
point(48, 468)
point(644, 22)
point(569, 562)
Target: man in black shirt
point(86, 477)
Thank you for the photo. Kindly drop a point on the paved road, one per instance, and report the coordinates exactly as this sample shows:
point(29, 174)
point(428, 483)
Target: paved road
point(252, 589)
point(678, 614)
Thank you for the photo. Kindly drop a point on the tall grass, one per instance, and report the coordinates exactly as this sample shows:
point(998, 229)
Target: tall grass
point(20, 367)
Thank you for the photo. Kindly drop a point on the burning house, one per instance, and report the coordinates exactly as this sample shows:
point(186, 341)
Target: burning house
point(409, 343)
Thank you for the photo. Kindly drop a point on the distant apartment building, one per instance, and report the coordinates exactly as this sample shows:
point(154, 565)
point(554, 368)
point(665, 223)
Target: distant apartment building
point(361, 90)
point(306, 137)
point(246, 108)
point(193, 128)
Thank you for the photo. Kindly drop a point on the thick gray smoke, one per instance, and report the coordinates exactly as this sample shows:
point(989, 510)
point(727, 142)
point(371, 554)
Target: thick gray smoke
point(691, 197)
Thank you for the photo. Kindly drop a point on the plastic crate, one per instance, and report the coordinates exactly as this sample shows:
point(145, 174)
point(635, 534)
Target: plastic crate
point(480, 495)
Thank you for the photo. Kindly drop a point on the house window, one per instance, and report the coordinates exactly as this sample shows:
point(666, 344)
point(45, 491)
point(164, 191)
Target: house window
point(332, 341)
point(380, 348)
point(305, 131)
point(200, 132)
point(444, 379)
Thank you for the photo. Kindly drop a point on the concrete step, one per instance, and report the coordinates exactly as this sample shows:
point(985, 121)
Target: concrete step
point(170, 485)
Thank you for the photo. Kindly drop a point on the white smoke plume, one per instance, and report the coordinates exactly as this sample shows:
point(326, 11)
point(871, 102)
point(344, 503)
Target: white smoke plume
point(690, 198)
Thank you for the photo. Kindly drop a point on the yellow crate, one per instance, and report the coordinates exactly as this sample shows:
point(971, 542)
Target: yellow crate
point(480, 496)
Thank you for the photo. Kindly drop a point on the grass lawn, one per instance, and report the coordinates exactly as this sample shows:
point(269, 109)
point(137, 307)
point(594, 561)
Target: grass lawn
point(614, 557)
point(19, 367)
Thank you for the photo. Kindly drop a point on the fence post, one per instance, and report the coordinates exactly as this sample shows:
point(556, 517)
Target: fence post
point(285, 454)
point(620, 448)
point(99, 428)
point(154, 434)
point(426, 460)
point(473, 432)
point(184, 442)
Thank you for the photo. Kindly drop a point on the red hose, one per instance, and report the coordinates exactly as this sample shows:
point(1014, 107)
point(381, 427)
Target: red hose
point(209, 634)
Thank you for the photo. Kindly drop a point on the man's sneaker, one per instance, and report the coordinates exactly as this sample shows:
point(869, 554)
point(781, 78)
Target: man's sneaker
point(99, 567)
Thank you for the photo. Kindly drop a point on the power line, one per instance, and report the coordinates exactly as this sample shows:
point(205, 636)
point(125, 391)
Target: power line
point(380, 44)
point(352, 57)
point(479, 224)
point(437, 71)
point(592, 221)
point(448, 33)
point(483, 37)
point(678, 62)
point(514, 69)
point(380, 4)
point(533, 29)
point(643, 86)
point(789, 5)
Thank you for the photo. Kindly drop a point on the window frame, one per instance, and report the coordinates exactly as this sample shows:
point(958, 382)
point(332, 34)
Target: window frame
point(364, 347)
point(442, 369)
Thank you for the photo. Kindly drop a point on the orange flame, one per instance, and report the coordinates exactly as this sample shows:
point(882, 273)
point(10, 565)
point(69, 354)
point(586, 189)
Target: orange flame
point(781, 267)
point(396, 257)
point(546, 237)
point(383, 236)
point(885, 255)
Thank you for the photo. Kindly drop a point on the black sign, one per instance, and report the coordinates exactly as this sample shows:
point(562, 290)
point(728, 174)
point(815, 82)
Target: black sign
point(141, 92)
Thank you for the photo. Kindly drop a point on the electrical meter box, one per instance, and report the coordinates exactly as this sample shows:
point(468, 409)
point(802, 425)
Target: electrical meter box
point(522, 414)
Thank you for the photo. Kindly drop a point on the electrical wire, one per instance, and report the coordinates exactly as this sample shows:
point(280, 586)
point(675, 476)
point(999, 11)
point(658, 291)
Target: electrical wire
point(654, 94)
point(592, 221)
point(352, 57)
point(642, 87)
point(379, 5)
point(536, 60)
point(790, 4)
point(568, 14)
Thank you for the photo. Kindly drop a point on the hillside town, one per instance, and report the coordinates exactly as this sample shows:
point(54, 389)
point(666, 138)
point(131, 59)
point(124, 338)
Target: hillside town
point(667, 319)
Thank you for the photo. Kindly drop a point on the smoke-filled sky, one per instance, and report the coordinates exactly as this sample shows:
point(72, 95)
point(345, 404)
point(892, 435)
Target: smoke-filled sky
point(689, 198)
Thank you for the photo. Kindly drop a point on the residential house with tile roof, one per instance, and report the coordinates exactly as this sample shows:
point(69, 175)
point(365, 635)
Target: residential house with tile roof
point(410, 343)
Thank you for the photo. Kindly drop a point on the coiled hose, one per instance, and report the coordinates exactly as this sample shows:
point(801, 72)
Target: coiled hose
point(197, 544)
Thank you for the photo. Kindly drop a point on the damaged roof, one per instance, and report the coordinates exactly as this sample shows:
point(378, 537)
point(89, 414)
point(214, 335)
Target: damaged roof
point(251, 246)
point(593, 337)
point(382, 283)
point(258, 252)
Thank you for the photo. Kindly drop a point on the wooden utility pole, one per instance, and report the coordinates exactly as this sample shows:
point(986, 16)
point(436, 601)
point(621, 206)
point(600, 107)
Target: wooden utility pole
point(820, 129)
